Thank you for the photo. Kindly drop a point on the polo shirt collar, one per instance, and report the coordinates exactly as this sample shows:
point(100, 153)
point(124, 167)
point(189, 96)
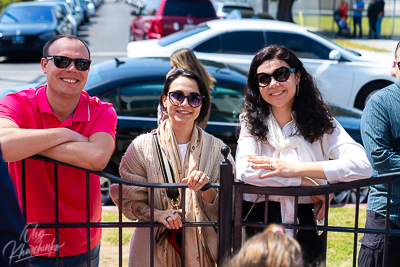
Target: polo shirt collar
point(81, 114)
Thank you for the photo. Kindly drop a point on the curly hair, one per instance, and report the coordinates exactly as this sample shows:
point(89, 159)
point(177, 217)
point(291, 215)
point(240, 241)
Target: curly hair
point(271, 248)
point(311, 115)
point(202, 89)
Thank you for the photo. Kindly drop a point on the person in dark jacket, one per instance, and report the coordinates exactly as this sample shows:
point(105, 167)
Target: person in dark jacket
point(13, 242)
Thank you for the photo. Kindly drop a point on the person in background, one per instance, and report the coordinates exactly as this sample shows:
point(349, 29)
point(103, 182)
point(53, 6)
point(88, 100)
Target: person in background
point(381, 8)
point(185, 59)
point(380, 132)
point(343, 8)
point(271, 248)
point(372, 18)
point(289, 138)
point(62, 122)
point(358, 8)
point(193, 157)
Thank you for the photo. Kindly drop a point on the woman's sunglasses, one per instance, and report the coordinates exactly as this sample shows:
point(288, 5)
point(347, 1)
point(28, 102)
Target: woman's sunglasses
point(177, 98)
point(281, 74)
point(63, 62)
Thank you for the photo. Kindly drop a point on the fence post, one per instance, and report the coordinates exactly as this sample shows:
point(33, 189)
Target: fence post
point(225, 205)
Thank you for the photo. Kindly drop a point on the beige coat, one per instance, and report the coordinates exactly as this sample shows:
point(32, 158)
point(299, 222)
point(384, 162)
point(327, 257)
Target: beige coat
point(140, 163)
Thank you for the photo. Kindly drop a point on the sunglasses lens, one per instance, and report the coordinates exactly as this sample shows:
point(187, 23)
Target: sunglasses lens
point(177, 98)
point(282, 74)
point(195, 100)
point(82, 64)
point(264, 79)
point(62, 62)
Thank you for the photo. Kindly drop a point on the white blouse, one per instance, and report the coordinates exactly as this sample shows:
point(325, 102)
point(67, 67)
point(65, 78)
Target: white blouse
point(348, 162)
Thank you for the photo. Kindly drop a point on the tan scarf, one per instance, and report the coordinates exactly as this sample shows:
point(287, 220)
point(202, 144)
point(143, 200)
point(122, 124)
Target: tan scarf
point(194, 238)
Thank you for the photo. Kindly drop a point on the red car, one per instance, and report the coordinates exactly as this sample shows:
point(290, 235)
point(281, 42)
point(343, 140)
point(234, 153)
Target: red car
point(159, 18)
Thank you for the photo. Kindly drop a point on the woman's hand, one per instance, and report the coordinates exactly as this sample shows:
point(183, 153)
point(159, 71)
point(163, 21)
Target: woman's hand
point(196, 180)
point(320, 200)
point(170, 218)
point(277, 167)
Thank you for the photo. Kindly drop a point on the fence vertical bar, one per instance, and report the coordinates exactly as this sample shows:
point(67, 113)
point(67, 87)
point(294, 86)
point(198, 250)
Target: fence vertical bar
point(225, 205)
point(387, 219)
point(152, 226)
point(88, 219)
point(237, 224)
point(356, 226)
point(183, 205)
point(393, 18)
point(57, 230)
point(120, 221)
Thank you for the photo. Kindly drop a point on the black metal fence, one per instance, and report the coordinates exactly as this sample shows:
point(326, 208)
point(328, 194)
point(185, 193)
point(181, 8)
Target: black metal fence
point(230, 221)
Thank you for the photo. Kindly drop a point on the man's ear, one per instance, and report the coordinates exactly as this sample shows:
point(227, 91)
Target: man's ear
point(43, 64)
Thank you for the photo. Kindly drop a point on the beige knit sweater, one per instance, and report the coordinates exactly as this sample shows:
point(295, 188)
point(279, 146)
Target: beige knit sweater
point(140, 163)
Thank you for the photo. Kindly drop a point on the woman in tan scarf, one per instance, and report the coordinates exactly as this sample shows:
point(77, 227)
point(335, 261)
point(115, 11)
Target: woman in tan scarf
point(194, 158)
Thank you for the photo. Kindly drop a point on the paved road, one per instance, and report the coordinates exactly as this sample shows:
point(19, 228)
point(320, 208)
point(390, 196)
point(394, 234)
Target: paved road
point(107, 35)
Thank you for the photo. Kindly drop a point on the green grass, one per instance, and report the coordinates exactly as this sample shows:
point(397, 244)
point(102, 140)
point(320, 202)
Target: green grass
point(326, 23)
point(111, 235)
point(340, 245)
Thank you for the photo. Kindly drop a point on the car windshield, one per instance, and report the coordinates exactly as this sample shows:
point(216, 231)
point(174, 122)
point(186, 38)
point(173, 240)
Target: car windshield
point(199, 9)
point(330, 40)
point(181, 35)
point(27, 14)
point(228, 9)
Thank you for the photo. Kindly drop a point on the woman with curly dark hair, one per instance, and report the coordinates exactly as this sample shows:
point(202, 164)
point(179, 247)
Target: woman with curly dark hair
point(287, 138)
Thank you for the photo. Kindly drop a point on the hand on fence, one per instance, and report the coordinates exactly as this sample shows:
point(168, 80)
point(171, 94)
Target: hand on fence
point(196, 180)
point(170, 218)
point(277, 167)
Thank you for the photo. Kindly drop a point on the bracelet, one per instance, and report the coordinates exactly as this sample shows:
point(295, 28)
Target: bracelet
point(206, 187)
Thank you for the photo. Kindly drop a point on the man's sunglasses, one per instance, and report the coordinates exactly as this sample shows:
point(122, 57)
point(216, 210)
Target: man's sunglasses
point(177, 98)
point(63, 62)
point(281, 74)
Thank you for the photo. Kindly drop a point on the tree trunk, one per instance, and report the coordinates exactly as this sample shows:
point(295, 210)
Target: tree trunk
point(285, 10)
point(265, 5)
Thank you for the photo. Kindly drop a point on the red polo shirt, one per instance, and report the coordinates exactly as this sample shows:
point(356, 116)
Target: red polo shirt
point(31, 110)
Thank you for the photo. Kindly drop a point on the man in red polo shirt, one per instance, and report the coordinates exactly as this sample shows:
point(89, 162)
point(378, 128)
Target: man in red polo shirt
point(62, 122)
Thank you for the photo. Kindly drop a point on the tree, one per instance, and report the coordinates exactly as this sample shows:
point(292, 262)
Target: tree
point(285, 10)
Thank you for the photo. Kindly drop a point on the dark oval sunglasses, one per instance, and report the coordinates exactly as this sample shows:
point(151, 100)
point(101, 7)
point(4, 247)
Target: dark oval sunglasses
point(281, 74)
point(63, 62)
point(177, 98)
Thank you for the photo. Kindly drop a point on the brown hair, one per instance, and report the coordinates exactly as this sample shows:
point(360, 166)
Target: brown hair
point(185, 59)
point(272, 248)
point(57, 37)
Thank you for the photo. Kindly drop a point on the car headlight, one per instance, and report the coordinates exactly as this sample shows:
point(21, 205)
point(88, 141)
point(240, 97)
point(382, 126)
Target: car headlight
point(90, 6)
point(47, 35)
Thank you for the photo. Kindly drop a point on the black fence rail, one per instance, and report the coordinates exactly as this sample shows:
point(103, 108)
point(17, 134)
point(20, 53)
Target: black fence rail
point(230, 221)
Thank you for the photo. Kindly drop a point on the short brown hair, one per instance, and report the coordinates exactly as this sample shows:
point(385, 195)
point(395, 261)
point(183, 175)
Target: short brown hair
point(57, 37)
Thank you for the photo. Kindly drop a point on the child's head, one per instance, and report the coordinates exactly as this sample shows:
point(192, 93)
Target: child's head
point(272, 248)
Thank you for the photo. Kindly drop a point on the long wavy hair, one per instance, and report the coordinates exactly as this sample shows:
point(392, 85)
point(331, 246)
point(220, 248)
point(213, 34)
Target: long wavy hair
point(185, 59)
point(311, 115)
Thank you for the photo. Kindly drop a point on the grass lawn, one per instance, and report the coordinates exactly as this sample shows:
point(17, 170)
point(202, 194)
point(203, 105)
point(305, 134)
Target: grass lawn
point(340, 245)
point(326, 23)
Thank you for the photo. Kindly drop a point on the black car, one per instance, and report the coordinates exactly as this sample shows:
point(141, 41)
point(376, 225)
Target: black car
point(26, 27)
point(133, 86)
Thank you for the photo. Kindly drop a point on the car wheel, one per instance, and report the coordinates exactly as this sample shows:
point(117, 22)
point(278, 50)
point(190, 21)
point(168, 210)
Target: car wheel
point(350, 196)
point(365, 94)
point(105, 191)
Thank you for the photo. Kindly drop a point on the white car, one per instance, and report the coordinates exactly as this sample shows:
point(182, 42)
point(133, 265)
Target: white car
point(345, 77)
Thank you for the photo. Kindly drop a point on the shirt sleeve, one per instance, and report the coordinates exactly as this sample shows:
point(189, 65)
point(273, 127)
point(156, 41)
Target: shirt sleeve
point(348, 162)
point(106, 122)
point(376, 135)
point(249, 146)
point(13, 108)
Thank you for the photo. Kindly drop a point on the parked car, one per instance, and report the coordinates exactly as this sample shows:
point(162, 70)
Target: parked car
point(133, 86)
point(345, 77)
point(25, 27)
point(222, 9)
point(158, 18)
